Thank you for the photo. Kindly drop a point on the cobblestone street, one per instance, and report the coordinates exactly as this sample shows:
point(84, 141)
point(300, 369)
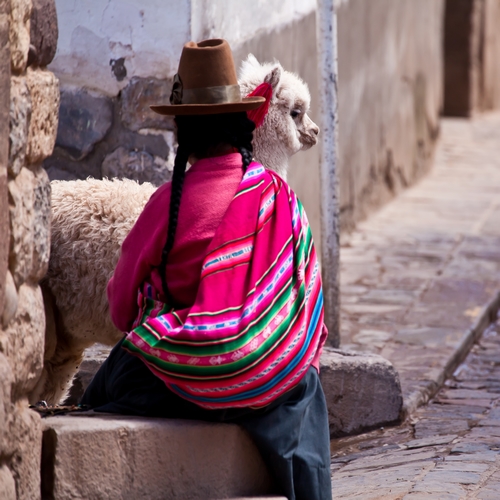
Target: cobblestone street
point(420, 283)
point(420, 279)
point(447, 450)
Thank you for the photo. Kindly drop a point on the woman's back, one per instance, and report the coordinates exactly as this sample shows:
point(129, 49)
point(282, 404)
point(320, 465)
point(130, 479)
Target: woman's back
point(209, 186)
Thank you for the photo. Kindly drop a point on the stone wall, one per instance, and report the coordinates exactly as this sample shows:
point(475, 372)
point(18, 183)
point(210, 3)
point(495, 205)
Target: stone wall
point(390, 93)
point(28, 122)
point(472, 56)
point(390, 98)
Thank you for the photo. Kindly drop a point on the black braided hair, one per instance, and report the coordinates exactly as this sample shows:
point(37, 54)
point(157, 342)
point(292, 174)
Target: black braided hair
point(201, 136)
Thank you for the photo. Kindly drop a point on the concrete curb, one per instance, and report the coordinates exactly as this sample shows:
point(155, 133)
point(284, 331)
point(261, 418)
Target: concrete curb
point(422, 395)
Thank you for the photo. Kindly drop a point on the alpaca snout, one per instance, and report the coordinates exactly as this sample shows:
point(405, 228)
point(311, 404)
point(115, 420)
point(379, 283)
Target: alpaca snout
point(309, 135)
point(314, 130)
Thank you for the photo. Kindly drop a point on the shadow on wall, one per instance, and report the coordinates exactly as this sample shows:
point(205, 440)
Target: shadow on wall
point(471, 56)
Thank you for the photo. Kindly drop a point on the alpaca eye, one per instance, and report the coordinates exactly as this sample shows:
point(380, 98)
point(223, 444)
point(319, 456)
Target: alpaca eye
point(294, 113)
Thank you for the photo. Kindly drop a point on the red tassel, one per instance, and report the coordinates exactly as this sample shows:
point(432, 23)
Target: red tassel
point(258, 115)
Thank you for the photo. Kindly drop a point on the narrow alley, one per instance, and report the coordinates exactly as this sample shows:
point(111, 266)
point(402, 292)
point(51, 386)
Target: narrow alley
point(420, 285)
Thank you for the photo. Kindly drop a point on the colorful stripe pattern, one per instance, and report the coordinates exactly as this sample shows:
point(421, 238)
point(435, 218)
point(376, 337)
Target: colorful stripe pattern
point(255, 326)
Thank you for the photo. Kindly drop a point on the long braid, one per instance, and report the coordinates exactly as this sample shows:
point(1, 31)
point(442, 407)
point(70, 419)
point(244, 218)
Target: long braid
point(196, 135)
point(173, 215)
point(246, 156)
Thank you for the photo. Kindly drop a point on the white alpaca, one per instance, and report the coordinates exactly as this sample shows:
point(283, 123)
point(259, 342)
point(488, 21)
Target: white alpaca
point(91, 218)
point(287, 128)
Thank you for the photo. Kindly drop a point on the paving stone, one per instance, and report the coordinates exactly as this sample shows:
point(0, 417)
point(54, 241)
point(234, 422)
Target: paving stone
point(487, 422)
point(387, 460)
point(465, 447)
point(465, 394)
point(429, 428)
point(480, 457)
point(449, 476)
point(436, 487)
point(462, 467)
point(430, 441)
point(488, 494)
point(428, 496)
point(490, 431)
point(485, 403)
point(428, 336)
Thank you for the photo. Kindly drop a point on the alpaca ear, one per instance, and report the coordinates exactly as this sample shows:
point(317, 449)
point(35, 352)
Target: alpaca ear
point(249, 65)
point(252, 60)
point(274, 77)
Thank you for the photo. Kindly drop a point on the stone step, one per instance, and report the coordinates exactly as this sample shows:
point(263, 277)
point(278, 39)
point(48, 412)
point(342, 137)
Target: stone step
point(362, 390)
point(114, 457)
point(94, 455)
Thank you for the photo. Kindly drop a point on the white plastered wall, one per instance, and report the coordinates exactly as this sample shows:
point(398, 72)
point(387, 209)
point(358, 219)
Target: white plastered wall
point(149, 34)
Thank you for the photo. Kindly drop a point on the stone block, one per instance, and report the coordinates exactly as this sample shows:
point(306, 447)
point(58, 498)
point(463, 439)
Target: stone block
point(362, 391)
point(136, 98)
point(7, 484)
point(44, 91)
point(20, 115)
point(43, 33)
point(137, 165)
point(6, 378)
point(23, 342)
point(127, 458)
point(10, 300)
point(5, 232)
point(26, 429)
point(5, 83)
point(84, 120)
point(41, 233)
point(21, 200)
point(19, 35)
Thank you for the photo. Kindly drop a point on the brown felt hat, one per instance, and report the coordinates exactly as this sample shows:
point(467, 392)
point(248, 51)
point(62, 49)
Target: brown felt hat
point(206, 82)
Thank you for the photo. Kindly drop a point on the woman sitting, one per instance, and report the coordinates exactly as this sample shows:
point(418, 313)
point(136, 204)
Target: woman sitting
point(219, 291)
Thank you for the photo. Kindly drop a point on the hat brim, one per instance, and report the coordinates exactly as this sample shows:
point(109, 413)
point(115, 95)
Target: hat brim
point(246, 104)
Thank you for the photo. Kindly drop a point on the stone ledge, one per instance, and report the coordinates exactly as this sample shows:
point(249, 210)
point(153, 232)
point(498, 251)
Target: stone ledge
point(114, 457)
point(362, 390)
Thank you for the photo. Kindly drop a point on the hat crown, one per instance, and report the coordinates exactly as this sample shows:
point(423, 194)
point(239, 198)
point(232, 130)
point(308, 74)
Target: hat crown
point(206, 82)
point(207, 64)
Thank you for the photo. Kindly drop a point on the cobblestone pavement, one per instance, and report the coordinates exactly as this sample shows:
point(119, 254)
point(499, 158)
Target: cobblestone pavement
point(448, 450)
point(418, 276)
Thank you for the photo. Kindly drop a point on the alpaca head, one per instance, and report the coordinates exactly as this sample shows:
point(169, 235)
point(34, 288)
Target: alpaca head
point(287, 129)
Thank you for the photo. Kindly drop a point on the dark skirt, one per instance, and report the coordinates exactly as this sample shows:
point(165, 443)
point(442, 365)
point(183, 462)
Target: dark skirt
point(291, 433)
